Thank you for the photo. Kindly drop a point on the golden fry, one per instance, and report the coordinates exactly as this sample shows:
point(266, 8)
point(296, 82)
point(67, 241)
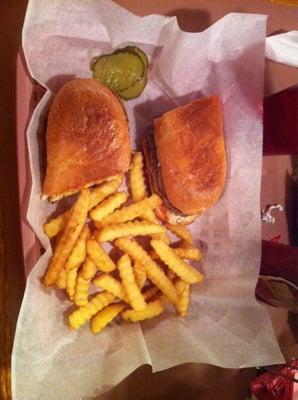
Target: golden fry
point(188, 253)
point(130, 212)
point(80, 316)
point(149, 215)
point(161, 236)
point(104, 190)
point(153, 309)
point(61, 279)
point(136, 228)
point(150, 292)
point(180, 267)
point(154, 272)
point(78, 254)
point(71, 281)
point(88, 269)
point(105, 316)
point(81, 291)
point(108, 205)
point(99, 257)
point(137, 179)
point(53, 227)
point(181, 232)
point(111, 285)
point(140, 274)
point(183, 290)
point(70, 235)
point(134, 295)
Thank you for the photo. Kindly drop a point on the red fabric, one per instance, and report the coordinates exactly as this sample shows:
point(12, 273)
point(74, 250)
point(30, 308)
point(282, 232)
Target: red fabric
point(281, 122)
point(270, 386)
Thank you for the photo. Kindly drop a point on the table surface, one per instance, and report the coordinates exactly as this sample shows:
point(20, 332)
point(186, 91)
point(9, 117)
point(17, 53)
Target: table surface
point(193, 15)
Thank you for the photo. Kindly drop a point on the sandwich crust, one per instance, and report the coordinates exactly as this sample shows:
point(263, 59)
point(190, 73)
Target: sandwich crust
point(191, 152)
point(164, 211)
point(87, 138)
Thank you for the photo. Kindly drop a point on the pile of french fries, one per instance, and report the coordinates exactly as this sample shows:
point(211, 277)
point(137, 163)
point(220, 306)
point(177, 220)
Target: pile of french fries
point(143, 279)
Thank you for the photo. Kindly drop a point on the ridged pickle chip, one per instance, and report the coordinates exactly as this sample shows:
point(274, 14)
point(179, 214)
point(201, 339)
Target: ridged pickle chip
point(134, 91)
point(136, 50)
point(124, 71)
point(139, 86)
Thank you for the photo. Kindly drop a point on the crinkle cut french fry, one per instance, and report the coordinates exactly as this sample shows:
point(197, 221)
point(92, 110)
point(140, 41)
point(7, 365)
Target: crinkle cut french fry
point(88, 269)
point(81, 291)
point(158, 277)
point(78, 253)
point(61, 279)
point(111, 285)
point(70, 235)
point(71, 281)
point(108, 205)
point(80, 316)
point(137, 178)
point(130, 212)
point(180, 267)
point(140, 273)
point(105, 316)
point(99, 256)
point(181, 232)
point(153, 309)
point(104, 190)
point(188, 253)
point(149, 215)
point(136, 228)
point(183, 290)
point(55, 225)
point(58, 238)
point(161, 236)
point(134, 295)
point(154, 272)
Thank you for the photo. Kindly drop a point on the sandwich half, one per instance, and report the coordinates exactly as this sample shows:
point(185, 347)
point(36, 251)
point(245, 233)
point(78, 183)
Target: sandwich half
point(186, 160)
point(87, 138)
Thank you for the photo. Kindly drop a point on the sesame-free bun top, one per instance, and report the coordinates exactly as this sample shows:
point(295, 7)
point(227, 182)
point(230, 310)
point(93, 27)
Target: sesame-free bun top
point(190, 148)
point(87, 138)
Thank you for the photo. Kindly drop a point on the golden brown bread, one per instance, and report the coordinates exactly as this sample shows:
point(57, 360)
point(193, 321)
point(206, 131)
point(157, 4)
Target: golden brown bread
point(164, 211)
point(87, 138)
point(190, 148)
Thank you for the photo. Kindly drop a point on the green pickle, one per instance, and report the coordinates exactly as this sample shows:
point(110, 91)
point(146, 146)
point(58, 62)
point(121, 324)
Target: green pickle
point(139, 52)
point(134, 91)
point(124, 71)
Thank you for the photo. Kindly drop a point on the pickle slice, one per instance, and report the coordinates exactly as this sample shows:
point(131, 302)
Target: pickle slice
point(135, 90)
point(138, 52)
point(120, 70)
point(124, 71)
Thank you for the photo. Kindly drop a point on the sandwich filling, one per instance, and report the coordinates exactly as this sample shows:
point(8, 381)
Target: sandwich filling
point(166, 211)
